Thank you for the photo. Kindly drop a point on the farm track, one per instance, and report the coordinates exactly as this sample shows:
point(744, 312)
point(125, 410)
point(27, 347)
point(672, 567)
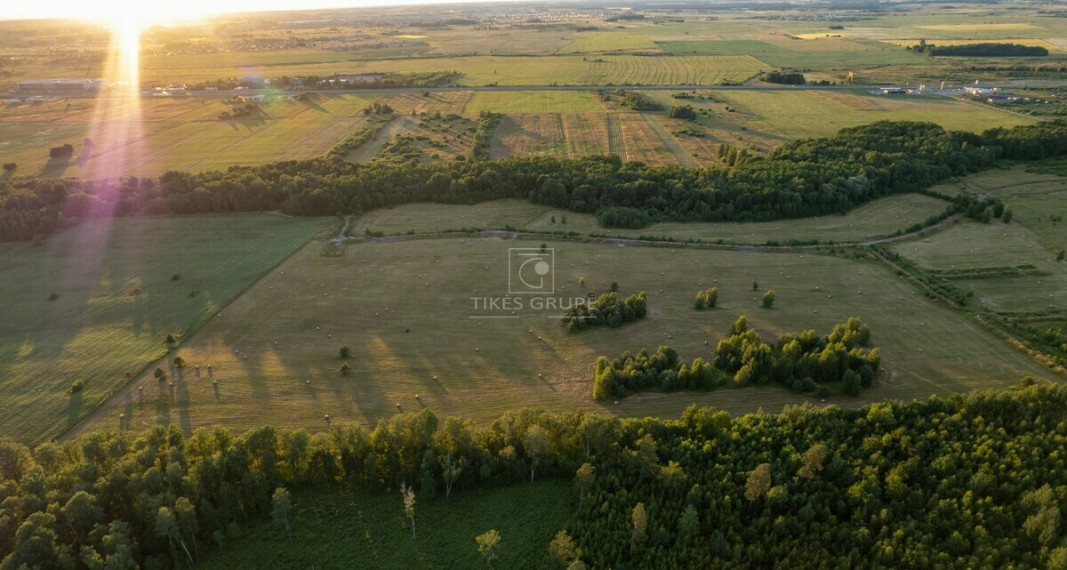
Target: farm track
point(672, 144)
point(616, 144)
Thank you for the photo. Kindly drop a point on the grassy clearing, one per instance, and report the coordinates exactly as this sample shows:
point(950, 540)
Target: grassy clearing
point(369, 529)
point(599, 42)
point(404, 309)
point(174, 134)
point(509, 102)
point(800, 114)
point(880, 218)
point(100, 327)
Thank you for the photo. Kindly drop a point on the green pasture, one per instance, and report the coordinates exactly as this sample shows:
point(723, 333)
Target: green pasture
point(116, 304)
point(369, 530)
point(799, 53)
point(406, 310)
point(510, 102)
point(598, 42)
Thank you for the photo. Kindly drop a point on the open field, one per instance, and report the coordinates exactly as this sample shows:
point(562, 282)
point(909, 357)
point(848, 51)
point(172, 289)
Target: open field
point(585, 134)
point(813, 113)
point(1033, 237)
point(509, 102)
point(802, 54)
point(117, 302)
point(404, 309)
point(599, 42)
point(371, 526)
point(173, 134)
point(643, 143)
point(879, 218)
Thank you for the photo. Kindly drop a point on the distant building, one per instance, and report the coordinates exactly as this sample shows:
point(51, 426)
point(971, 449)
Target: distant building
point(893, 91)
point(61, 86)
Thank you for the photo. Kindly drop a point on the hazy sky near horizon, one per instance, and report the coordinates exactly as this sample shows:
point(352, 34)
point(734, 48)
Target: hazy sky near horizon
point(164, 11)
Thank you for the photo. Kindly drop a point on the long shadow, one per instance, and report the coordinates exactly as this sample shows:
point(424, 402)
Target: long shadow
point(74, 409)
point(55, 167)
point(310, 103)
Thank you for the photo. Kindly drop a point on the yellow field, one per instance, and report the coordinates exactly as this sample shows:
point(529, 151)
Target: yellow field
point(1001, 27)
point(585, 134)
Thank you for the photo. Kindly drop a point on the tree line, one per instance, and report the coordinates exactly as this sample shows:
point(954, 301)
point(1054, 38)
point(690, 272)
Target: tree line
point(921, 484)
point(608, 310)
point(803, 178)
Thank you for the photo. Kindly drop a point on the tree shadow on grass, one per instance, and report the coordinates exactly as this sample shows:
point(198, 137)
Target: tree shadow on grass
point(74, 409)
point(55, 167)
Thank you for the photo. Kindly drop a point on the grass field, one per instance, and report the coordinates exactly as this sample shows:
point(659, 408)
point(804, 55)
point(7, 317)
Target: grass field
point(584, 134)
point(370, 527)
point(599, 42)
point(404, 309)
point(101, 327)
point(1033, 237)
point(803, 54)
point(802, 114)
point(173, 134)
point(879, 218)
point(509, 102)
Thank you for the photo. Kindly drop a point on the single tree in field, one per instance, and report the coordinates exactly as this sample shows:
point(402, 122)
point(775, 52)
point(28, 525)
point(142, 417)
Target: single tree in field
point(614, 285)
point(179, 362)
point(345, 369)
point(583, 480)
point(755, 286)
point(535, 443)
point(344, 352)
point(409, 505)
point(711, 297)
point(10, 167)
point(698, 304)
point(768, 299)
point(640, 520)
point(283, 503)
point(487, 544)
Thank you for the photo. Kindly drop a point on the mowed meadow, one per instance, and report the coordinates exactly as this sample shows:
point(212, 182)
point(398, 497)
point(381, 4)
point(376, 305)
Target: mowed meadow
point(116, 300)
point(417, 339)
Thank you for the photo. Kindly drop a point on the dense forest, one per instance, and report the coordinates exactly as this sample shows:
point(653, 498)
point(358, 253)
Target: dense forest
point(799, 179)
point(983, 50)
point(967, 481)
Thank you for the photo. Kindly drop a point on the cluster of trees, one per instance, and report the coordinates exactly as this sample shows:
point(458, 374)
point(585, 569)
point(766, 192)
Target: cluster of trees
point(785, 77)
point(799, 179)
point(359, 138)
point(378, 108)
point(662, 370)
point(810, 486)
point(981, 50)
point(804, 361)
point(706, 299)
point(64, 151)
point(240, 110)
point(682, 112)
point(638, 101)
point(606, 310)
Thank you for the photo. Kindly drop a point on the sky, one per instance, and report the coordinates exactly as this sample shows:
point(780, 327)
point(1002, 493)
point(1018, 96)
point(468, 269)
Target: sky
point(164, 11)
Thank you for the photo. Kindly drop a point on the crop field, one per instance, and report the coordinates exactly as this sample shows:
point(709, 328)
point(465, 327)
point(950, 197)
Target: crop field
point(815, 113)
point(174, 134)
point(429, 102)
point(529, 135)
point(643, 143)
point(585, 134)
point(116, 302)
point(405, 310)
point(532, 102)
point(371, 526)
point(598, 42)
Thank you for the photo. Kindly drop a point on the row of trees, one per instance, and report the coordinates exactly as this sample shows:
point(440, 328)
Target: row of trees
point(966, 481)
point(803, 362)
point(799, 179)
